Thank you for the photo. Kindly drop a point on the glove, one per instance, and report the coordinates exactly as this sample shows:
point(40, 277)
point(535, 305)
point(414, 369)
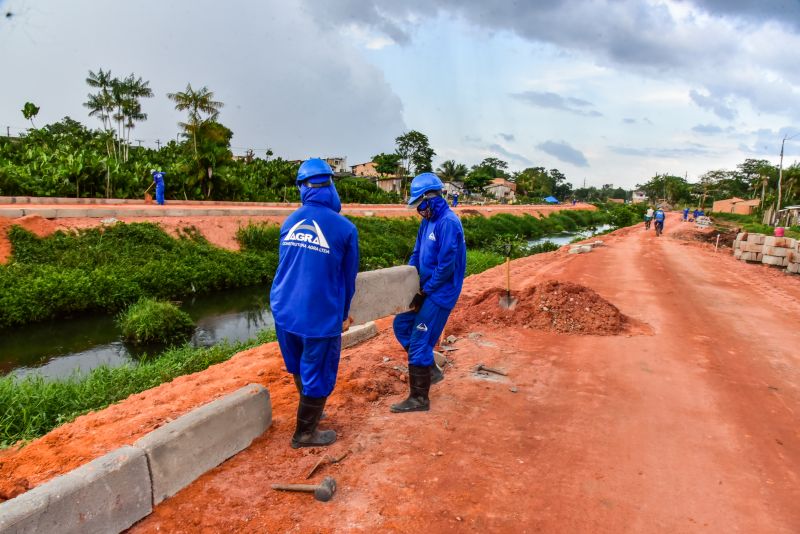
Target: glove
point(416, 302)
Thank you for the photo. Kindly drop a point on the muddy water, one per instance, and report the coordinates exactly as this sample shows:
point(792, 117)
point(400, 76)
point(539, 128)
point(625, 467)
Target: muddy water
point(58, 348)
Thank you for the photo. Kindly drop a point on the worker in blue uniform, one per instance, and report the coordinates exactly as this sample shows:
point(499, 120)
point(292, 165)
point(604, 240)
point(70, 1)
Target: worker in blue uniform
point(311, 294)
point(440, 257)
point(158, 179)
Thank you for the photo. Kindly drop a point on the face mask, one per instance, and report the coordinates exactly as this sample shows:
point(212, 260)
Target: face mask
point(424, 209)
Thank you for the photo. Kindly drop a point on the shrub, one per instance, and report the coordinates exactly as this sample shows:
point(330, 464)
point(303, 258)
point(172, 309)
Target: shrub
point(153, 321)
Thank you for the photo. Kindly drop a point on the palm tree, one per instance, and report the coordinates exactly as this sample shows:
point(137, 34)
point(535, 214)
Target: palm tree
point(196, 102)
point(450, 171)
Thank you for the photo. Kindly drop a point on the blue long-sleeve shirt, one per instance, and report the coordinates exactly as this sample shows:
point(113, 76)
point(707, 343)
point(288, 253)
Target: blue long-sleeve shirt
point(440, 255)
point(317, 267)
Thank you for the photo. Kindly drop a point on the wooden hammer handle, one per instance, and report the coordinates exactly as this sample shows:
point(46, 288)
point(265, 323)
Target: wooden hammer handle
point(295, 487)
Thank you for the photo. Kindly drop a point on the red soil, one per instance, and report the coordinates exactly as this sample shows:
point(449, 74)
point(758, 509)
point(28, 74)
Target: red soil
point(555, 306)
point(691, 428)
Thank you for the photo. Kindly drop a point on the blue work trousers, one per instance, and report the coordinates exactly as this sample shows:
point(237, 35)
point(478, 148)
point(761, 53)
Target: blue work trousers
point(315, 360)
point(419, 332)
point(160, 194)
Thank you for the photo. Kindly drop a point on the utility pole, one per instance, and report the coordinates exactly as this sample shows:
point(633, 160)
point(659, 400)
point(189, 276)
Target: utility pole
point(780, 172)
point(139, 141)
point(158, 143)
point(8, 131)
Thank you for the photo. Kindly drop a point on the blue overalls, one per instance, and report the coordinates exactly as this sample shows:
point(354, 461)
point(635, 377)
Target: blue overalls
point(440, 256)
point(158, 178)
point(313, 286)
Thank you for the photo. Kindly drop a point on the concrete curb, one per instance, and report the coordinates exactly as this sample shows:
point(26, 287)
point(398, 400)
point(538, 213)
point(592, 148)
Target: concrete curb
point(383, 292)
point(359, 334)
point(181, 451)
point(115, 491)
point(108, 494)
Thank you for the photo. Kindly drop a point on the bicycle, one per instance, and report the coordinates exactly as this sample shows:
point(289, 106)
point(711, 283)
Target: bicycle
point(659, 228)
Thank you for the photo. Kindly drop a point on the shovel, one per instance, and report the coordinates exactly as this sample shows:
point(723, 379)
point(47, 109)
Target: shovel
point(507, 302)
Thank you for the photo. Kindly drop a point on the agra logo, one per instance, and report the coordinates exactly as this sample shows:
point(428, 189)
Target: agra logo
point(307, 236)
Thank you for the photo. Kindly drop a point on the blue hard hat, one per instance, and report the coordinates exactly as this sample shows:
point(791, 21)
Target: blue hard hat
point(423, 183)
point(314, 169)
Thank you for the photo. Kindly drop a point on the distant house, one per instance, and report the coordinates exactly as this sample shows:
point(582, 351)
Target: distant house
point(453, 188)
point(339, 165)
point(617, 200)
point(638, 196)
point(502, 190)
point(368, 169)
point(736, 205)
point(390, 184)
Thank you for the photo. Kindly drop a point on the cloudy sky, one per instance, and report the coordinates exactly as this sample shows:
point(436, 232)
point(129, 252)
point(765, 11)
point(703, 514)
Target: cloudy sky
point(606, 91)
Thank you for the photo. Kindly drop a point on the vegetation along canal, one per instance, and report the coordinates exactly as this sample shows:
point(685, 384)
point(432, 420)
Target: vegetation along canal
point(60, 347)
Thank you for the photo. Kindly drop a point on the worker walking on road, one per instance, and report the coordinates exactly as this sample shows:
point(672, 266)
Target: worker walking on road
point(158, 179)
point(648, 216)
point(311, 294)
point(440, 257)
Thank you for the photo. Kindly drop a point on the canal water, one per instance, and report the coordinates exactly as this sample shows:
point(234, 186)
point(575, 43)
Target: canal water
point(565, 238)
point(61, 347)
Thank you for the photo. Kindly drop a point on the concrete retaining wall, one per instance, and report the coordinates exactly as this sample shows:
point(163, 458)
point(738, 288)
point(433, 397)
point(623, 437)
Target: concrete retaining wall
point(769, 250)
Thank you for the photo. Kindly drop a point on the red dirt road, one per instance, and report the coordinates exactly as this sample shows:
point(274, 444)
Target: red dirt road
point(685, 422)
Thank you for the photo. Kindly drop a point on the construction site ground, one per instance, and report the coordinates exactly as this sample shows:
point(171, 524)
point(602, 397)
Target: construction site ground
point(678, 414)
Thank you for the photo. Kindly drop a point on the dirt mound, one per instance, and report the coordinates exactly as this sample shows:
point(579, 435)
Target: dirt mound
point(33, 223)
point(555, 306)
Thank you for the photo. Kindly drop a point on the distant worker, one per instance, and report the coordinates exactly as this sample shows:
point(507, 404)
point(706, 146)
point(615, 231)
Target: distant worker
point(440, 257)
point(158, 179)
point(311, 294)
point(574, 201)
point(685, 214)
point(455, 199)
point(648, 216)
point(696, 213)
point(659, 217)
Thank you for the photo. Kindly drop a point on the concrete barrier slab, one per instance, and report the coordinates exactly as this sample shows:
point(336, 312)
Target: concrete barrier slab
point(108, 494)
point(383, 292)
point(181, 451)
point(358, 334)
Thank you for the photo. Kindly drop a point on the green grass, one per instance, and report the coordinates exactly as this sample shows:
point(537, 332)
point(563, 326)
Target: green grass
point(32, 406)
point(153, 321)
point(752, 223)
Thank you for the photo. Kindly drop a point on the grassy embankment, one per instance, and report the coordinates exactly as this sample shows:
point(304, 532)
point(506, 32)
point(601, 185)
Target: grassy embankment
point(108, 268)
point(752, 223)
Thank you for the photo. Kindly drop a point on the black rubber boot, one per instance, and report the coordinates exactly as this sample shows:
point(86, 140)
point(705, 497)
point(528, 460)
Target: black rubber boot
point(308, 414)
point(298, 383)
point(437, 375)
point(419, 379)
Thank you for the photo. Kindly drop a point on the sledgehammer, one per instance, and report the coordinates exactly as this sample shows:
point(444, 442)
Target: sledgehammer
point(322, 492)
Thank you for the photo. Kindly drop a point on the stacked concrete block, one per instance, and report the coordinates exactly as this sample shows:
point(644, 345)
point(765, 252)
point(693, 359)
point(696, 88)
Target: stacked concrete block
point(793, 258)
point(778, 251)
point(741, 239)
point(753, 248)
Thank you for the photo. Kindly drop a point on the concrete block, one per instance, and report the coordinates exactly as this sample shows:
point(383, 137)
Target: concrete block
point(181, 451)
point(753, 247)
point(793, 268)
point(792, 256)
point(741, 236)
point(359, 333)
point(775, 251)
point(383, 292)
point(108, 494)
point(580, 249)
point(751, 256)
point(737, 253)
point(786, 242)
point(772, 260)
point(12, 212)
point(757, 239)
